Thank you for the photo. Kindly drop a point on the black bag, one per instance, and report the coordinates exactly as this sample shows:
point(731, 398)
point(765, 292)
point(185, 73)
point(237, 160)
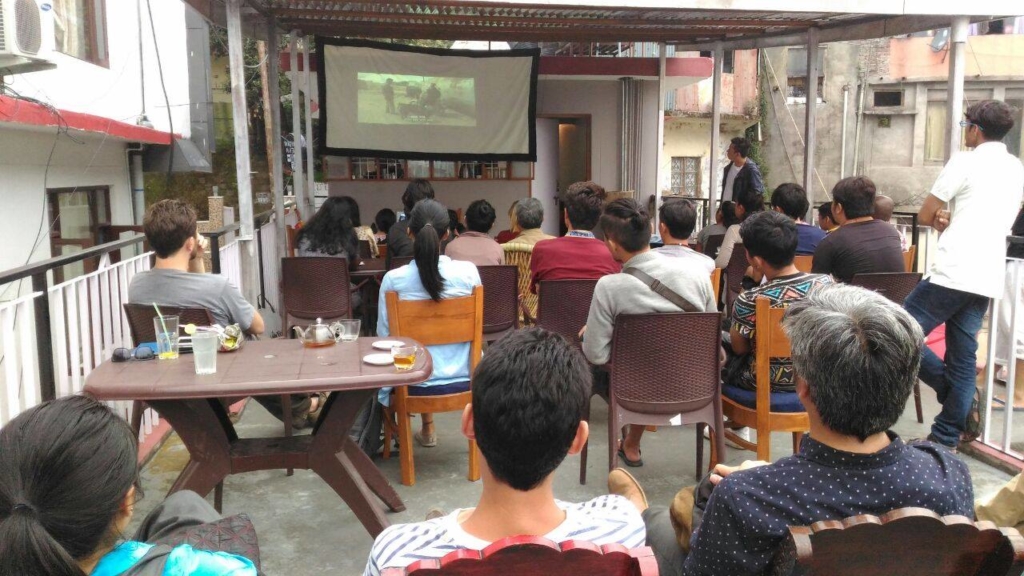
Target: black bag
point(367, 430)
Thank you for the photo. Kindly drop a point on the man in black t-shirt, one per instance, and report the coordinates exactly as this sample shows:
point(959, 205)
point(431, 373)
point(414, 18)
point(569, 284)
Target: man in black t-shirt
point(861, 244)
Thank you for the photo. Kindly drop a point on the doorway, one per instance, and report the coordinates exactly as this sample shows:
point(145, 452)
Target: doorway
point(563, 157)
point(77, 215)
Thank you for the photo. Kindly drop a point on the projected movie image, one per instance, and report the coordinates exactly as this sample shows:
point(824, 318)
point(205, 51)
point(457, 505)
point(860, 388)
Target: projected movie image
point(416, 100)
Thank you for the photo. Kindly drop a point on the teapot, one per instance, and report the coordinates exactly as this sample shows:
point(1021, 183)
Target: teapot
point(319, 335)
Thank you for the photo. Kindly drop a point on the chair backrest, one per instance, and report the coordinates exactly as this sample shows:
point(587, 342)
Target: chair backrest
point(714, 242)
point(365, 252)
point(716, 283)
point(665, 363)
point(519, 255)
point(534, 556)
point(316, 287)
point(398, 261)
point(450, 321)
point(140, 319)
point(771, 342)
point(564, 306)
point(907, 541)
point(908, 258)
point(895, 286)
point(291, 234)
point(803, 262)
point(501, 297)
point(735, 269)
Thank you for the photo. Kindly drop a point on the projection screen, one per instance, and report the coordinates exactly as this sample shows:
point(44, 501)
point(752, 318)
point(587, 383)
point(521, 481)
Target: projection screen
point(397, 101)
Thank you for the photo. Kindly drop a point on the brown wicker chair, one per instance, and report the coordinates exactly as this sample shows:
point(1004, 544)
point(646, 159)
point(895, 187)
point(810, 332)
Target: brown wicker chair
point(563, 306)
point(519, 255)
point(665, 372)
point(895, 286)
point(734, 274)
point(398, 262)
point(365, 250)
point(315, 287)
point(501, 300)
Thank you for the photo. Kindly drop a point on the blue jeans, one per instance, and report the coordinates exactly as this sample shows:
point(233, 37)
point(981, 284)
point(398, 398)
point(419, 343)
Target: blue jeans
point(953, 377)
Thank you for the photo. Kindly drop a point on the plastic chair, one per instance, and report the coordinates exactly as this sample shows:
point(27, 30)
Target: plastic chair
point(501, 301)
point(398, 262)
point(315, 287)
point(906, 541)
point(519, 255)
point(564, 305)
point(803, 262)
point(365, 251)
point(664, 371)
point(759, 413)
point(714, 243)
point(534, 556)
point(430, 323)
point(734, 272)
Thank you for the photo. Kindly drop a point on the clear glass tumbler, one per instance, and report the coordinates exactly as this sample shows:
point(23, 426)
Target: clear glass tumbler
point(349, 330)
point(166, 329)
point(204, 352)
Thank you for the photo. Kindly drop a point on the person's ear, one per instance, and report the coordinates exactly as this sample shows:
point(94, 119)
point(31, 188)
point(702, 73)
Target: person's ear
point(565, 216)
point(803, 392)
point(409, 233)
point(662, 229)
point(580, 440)
point(777, 209)
point(190, 245)
point(467, 422)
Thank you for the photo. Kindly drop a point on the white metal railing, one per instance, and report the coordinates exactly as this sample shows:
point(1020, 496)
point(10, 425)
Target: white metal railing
point(1005, 348)
point(271, 275)
point(19, 389)
point(231, 263)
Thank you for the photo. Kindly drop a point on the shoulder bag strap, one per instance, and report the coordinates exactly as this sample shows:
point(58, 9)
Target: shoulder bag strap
point(662, 290)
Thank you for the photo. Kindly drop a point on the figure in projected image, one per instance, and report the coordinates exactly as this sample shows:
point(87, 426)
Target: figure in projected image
point(389, 95)
point(432, 97)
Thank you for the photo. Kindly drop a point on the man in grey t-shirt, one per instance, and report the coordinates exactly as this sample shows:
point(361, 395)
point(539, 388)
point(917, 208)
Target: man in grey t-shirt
point(677, 219)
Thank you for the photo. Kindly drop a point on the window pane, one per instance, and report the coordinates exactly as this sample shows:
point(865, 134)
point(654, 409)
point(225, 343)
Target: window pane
point(935, 132)
point(78, 27)
point(1015, 138)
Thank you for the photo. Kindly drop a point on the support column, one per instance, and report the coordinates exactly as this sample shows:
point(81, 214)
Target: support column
point(714, 182)
point(240, 120)
point(810, 138)
point(955, 86)
point(308, 103)
point(277, 167)
point(662, 49)
point(298, 182)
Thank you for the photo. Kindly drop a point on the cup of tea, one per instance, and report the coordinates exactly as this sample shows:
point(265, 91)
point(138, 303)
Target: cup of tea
point(349, 329)
point(404, 356)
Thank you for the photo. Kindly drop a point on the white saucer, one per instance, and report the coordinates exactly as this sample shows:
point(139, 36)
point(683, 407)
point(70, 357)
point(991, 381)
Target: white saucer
point(379, 359)
point(387, 344)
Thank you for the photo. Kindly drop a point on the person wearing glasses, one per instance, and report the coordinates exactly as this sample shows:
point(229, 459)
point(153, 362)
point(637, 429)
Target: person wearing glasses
point(983, 189)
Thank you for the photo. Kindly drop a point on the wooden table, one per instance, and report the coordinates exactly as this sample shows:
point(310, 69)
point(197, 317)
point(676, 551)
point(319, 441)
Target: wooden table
point(369, 268)
point(269, 367)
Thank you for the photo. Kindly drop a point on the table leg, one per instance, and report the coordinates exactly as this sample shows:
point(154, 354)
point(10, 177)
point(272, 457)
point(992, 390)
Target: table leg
point(338, 472)
point(206, 435)
point(374, 478)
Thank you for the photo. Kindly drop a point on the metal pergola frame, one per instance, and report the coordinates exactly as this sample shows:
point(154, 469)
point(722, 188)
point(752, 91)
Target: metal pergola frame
point(690, 25)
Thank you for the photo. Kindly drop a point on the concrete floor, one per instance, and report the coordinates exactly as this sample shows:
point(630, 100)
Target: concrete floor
point(304, 528)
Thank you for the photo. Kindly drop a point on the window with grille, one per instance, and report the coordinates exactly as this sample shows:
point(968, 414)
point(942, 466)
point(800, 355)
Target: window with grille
point(686, 175)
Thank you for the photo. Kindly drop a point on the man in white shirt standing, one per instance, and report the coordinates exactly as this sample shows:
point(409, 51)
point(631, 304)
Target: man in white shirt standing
point(983, 188)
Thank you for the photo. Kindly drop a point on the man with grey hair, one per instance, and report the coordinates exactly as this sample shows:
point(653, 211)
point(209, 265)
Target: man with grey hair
point(529, 217)
point(856, 357)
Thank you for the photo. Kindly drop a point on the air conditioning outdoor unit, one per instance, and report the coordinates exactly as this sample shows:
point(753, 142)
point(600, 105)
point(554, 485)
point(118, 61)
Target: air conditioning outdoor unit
point(26, 36)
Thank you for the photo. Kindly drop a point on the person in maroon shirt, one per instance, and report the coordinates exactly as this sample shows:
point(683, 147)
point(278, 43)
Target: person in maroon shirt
point(577, 255)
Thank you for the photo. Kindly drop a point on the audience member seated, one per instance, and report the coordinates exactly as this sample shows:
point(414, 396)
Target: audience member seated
point(332, 232)
point(578, 255)
point(362, 232)
point(399, 242)
point(747, 206)
point(676, 222)
point(529, 393)
point(627, 233)
point(431, 276)
point(770, 240)
point(529, 216)
point(718, 227)
point(856, 356)
point(475, 245)
point(383, 222)
point(69, 482)
point(170, 227)
point(861, 244)
point(513, 231)
point(825, 220)
point(455, 229)
point(791, 199)
point(884, 207)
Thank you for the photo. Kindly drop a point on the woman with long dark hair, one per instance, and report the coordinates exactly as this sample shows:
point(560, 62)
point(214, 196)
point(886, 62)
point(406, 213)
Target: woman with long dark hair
point(362, 232)
point(69, 481)
point(332, 233)
point(435, 277)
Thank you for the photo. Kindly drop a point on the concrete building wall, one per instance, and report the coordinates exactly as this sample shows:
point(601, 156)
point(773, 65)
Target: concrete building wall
point(692, 137)
point(739, 88)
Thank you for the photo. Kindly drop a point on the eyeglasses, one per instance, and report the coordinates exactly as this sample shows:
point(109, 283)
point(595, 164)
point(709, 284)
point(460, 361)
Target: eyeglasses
point(967, 123)
point(125, 354)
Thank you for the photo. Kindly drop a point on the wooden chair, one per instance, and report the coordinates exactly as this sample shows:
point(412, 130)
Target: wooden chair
point(501, 300)
point(665, 372)
point(714, 243)
point(315, 287)
point(895, 286)
point(532, 555)
point(803, 262)
point(716, 285)
point(908, 258)
point(734, 272)
point(907, 541)
point(764, 410)
point(449, 321)
point(519, 255)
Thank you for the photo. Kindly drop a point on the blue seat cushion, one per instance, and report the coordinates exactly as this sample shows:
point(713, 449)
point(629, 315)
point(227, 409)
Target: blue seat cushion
point(453, 388)
point(781, 401)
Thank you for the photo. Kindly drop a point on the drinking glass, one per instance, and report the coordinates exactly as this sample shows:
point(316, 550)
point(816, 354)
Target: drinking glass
point(166, 329)
point(404, 356)
point(204, 352)
point(349, 330)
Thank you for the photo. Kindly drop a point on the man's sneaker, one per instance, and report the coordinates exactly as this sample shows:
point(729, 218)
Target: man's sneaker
point(743, 433)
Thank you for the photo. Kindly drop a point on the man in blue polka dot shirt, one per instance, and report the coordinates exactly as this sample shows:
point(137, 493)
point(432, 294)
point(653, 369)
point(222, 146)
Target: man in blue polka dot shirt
point(856, 356)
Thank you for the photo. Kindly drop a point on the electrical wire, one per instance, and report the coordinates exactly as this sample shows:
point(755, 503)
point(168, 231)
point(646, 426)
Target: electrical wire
point(167, 100)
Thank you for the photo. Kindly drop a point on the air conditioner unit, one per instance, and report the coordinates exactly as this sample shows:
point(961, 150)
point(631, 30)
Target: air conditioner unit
point(26, 36)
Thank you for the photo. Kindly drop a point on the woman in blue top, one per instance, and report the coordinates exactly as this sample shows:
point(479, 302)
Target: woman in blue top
point(435, 277)
point(69, 480)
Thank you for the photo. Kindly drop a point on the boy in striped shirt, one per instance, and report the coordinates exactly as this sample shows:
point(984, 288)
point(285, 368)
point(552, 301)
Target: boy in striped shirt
point(529, 394)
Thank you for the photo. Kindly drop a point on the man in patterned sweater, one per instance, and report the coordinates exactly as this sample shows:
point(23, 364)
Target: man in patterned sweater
point(529, 394)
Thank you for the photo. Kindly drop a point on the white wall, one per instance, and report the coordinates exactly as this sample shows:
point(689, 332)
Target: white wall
point(115, 92)
point(600, 99)
point(545, 173)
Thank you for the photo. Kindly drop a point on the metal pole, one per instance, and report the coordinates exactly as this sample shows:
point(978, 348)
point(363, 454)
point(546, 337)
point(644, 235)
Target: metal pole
point(243, 169)
point(44, 345)
point(277, 169)
point(298, 182)
point(810, 134)
point(658, 169)
point(842, 141)
point(860, 121)
point(308, 103)
point(955, 86)
point(716, 127)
